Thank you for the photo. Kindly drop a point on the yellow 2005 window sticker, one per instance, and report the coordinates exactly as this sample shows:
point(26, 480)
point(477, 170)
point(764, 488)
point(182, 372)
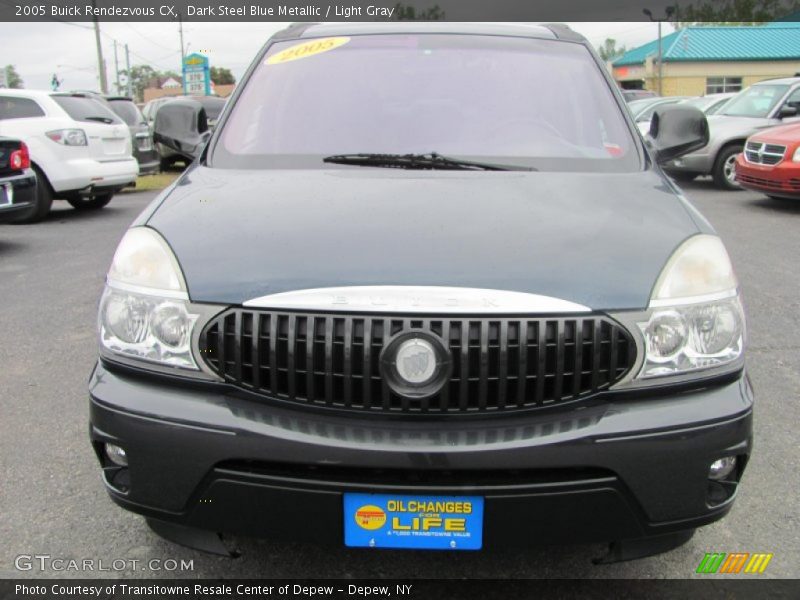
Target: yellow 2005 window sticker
point(306, 49)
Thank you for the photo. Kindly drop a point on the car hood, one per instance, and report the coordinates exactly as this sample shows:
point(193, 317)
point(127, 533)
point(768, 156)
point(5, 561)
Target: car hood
point(721, 127)
point(599, 240)
point(784, 134)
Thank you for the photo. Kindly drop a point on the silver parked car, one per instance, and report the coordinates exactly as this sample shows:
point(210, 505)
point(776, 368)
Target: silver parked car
point(710, 104)
point(762, 105)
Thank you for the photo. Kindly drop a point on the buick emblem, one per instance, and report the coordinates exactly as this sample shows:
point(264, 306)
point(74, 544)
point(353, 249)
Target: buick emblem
point(415, 361)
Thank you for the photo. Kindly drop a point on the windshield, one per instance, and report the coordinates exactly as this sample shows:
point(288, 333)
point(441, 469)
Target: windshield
point(84, 108)
point(515, 101)
point(755, 101)
point(127, 111)
point(701, 103)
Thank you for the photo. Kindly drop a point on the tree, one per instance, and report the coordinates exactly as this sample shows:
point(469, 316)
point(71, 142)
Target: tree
point(409, 13)
point(222, 76)
point(13, 80)
point(609, 50)
point(140, 76)
point(733, 12)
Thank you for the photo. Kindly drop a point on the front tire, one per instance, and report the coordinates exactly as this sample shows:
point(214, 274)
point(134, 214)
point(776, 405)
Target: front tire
point(724, 172)
point(91, 203)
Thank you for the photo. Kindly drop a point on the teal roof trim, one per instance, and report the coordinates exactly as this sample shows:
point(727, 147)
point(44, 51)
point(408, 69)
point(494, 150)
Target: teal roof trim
point(776, 42)
point(638, 55)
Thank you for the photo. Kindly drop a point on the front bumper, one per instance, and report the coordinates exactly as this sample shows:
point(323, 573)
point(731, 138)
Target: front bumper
point(782, 180)
point(624, 468)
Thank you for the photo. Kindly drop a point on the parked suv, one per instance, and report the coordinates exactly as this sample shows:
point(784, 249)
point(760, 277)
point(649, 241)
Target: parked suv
point(143, 148)
point(80, 150)
point(426, 287)
point(762, 105)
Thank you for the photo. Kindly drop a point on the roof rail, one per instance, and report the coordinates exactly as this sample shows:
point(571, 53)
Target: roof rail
point(295, 30)
point(564, 32)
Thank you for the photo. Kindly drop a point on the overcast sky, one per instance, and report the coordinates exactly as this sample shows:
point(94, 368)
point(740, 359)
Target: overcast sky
point(38, 50)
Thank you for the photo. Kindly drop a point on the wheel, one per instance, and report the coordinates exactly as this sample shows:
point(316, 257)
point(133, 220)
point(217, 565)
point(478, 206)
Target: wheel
point(683, 176)
point(91, 203)
point(166, 164)
point(44, 199)
point(724, 168)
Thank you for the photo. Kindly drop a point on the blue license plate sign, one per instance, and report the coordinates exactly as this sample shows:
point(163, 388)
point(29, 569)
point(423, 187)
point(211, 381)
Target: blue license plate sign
point(415, 522)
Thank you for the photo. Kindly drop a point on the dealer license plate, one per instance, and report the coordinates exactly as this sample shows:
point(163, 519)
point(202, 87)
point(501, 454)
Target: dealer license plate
point(415, 522)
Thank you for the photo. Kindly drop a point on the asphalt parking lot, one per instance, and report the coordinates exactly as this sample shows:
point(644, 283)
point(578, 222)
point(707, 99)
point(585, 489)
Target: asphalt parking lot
point(52, 501)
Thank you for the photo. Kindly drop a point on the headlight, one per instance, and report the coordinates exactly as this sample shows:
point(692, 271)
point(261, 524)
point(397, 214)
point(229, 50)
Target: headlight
point(695, 320)
point(796, 155)
point(147, 327)
point(145, 313)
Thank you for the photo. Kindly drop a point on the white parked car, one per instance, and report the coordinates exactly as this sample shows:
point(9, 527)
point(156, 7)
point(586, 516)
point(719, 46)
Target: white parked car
point(642, 110)
point(80, 150)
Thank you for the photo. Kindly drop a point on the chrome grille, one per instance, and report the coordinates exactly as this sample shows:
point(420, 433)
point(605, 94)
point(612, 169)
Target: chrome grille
point(498, 364)
point(764, 154)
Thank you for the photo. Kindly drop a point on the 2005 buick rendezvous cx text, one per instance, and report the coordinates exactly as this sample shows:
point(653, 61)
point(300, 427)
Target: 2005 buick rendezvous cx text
point(426, 287)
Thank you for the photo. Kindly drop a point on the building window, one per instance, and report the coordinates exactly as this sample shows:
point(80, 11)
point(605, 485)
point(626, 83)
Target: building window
point(722, 85)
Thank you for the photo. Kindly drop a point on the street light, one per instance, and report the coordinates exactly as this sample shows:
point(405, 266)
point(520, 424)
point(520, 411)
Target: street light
point(668, 12)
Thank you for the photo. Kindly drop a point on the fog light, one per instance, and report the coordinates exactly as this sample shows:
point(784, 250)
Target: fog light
point(116, 455)
point(721, 468)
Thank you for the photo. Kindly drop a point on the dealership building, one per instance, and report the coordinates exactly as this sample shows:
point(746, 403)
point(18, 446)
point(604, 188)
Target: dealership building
point(700, 60)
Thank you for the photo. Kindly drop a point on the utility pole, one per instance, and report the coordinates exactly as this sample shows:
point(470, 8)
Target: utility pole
point(180, 32)
point(183, 51)
point(101, 64)
point(116, 66)
point(128, 67)
point(668, 11)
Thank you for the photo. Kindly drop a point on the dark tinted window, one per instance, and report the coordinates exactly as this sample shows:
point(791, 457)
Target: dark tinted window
point(212, 105)
point(513, 100)
point(127, 111)
point(19, 108)
point(84, 108)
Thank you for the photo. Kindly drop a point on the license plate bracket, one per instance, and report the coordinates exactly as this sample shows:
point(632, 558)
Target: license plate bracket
point(6, 194)
point(415, 522)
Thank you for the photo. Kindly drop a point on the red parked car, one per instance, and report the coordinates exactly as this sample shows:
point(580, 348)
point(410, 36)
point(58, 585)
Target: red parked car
point(770, 162)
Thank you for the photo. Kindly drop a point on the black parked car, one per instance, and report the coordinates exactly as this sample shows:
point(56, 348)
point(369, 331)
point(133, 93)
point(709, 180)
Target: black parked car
point(143, 149)
point(426, 287)
point(17, 181)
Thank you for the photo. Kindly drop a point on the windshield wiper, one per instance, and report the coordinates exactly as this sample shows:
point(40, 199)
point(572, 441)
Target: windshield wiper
point(100, 119)
point(429, 161)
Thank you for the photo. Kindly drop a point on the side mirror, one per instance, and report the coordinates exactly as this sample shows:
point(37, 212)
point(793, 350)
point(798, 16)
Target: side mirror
point(787, 111)
point(676, 130)
point(177, 127)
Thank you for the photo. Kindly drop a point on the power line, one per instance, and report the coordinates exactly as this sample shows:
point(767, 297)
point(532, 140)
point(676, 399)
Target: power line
point(144, 37)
